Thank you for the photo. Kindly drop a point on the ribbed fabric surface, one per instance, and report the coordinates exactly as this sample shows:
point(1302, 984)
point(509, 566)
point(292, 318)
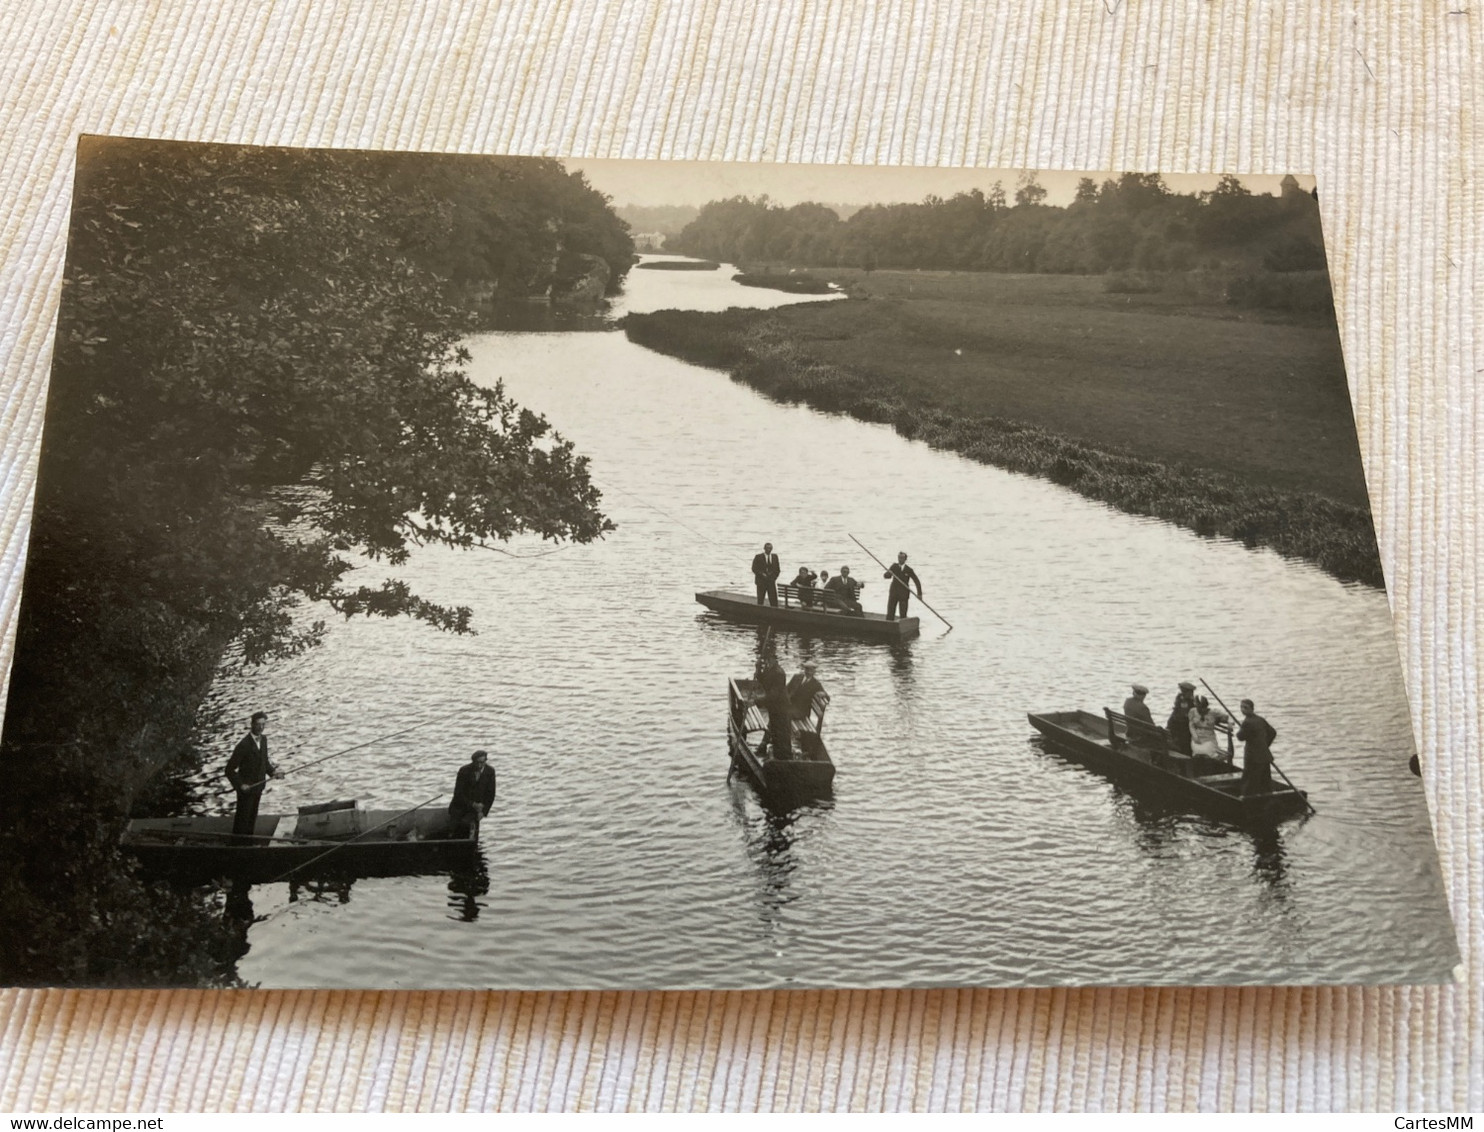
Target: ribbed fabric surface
point(1380, 100)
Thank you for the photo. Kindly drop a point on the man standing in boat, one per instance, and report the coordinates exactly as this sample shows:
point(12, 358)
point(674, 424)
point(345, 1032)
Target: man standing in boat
point(776, 703)
point(473, 795)
point(765, 571)
point(1257, 736)
point(248, 770)
point(900, 574)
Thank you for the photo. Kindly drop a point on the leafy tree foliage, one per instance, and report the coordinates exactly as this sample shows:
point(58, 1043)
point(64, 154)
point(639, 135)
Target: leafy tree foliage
point(257, 374)
point(1130, 221)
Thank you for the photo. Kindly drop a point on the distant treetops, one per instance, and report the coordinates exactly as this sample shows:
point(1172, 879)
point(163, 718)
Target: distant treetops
point(1130, 222)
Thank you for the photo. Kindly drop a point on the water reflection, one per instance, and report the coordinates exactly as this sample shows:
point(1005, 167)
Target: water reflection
point(902, 681)
point(542, 318)
point(772, 833)
point(1162, 831)
point(1270, 860)
point(1153, 827)
point(238, 913)
point(465, 890)
point(321, 890)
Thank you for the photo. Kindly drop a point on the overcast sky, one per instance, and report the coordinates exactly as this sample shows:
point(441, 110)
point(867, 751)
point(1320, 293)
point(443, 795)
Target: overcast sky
point(696, 182)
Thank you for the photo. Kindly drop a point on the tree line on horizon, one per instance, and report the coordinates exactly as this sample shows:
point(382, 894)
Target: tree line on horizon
point(1133, 222)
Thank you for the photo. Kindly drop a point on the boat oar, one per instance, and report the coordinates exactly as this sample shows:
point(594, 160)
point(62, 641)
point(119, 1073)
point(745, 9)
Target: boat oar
point(357, 837)
point(1272, 760)
point(887, 568)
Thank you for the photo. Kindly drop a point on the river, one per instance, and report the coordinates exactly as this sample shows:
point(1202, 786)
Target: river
point(955, 850)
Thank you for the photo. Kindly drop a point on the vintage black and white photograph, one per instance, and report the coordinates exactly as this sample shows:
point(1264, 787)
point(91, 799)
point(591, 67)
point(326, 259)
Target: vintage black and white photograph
point(522, 572)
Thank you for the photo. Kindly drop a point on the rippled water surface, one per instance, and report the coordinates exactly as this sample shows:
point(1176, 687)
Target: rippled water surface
point(955, 850)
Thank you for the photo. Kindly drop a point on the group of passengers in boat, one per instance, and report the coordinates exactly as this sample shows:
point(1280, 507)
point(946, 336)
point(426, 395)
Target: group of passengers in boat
point(786, 700)
point(838, 594)
point(1191, 729)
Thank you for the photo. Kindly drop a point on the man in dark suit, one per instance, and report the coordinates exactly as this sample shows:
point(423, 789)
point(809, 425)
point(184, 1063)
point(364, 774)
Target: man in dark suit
point(900, 574)
point(1257, 737)
point(845, 591)
point(473, 795)
point(776, 703)
point(765, 571)
point(802, 688)
point(248, 770)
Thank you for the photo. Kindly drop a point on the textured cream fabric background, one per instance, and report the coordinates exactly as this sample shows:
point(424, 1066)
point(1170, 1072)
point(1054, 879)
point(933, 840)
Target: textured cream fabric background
point(1381, 100)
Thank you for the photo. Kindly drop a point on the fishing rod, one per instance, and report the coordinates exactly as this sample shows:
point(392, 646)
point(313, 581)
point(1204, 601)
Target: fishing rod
point(887, 568)
point(357, 837)
point(652, 507)
point(1272, 760)
point(345, 751)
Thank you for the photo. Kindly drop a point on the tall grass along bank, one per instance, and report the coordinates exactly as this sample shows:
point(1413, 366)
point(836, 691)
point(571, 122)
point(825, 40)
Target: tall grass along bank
point(757, 350)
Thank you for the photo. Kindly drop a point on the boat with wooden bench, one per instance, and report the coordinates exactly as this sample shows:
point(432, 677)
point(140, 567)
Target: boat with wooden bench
point(808, 770)
point(332, 838)
point(809, 610)
point(1139, 755)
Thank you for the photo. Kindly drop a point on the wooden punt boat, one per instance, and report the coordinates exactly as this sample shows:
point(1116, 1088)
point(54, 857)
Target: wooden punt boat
point(1138, 755)
point(335, 838)
point(806, 612)
point(809, 772)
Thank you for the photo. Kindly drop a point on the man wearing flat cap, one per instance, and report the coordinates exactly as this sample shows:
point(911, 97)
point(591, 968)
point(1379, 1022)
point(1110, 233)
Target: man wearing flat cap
point(1135, 708)
point(1178, 724)
point(1136, 711)
point(802, 688)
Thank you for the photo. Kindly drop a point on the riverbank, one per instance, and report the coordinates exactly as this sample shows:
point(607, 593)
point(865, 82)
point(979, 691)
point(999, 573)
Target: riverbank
point(679, 265)
point(1223, 424)
point(789, 283)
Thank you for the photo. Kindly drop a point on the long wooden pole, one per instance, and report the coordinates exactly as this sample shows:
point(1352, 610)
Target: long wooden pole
point(887, 568)
point(1272, 760)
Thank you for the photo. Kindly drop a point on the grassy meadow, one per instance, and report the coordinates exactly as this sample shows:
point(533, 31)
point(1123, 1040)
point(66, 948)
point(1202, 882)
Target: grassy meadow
point(1161, 400)
point(1175, 376)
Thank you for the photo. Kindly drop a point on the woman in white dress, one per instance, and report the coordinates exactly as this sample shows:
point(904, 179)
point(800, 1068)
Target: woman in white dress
point(1203, 723)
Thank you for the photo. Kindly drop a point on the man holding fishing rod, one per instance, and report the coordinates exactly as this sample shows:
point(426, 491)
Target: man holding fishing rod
point(248, 770)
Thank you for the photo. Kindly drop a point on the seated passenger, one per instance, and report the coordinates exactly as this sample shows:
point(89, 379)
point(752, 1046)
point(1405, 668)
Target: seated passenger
point(803, 582)
point(846, 590)
point(829, 595)
point(1136, 711)
point(802, 688)
point(1203, 723)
